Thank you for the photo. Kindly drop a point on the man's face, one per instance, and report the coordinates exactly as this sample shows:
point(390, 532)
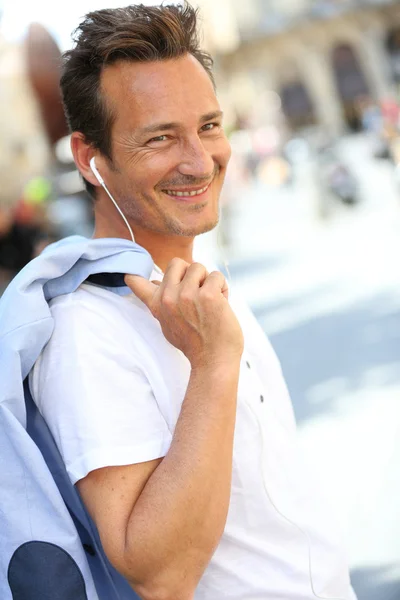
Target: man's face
point(169, 151)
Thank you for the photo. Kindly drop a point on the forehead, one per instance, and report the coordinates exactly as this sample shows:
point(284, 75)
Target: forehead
point(173, 90)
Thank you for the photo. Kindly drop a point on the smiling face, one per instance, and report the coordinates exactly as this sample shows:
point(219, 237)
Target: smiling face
point(169, 151)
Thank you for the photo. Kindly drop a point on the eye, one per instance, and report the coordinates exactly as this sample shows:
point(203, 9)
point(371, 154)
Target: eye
point(210, 126)
point(159, 138)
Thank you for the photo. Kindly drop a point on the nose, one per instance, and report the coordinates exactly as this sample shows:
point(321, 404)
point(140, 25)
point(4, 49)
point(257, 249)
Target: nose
point(196, 160)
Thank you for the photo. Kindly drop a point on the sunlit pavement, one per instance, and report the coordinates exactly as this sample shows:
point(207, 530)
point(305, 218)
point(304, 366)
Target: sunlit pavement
point(328, 296)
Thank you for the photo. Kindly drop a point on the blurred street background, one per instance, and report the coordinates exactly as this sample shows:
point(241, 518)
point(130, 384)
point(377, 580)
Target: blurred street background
point(310, 218)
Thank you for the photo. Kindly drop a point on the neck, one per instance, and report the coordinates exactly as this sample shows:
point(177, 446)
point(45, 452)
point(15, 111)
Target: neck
point(162, 248)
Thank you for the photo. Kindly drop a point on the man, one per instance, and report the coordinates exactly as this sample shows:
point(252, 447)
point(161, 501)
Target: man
point(168, 405)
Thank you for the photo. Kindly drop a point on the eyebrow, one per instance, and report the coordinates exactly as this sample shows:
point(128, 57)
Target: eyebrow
point(217, 114)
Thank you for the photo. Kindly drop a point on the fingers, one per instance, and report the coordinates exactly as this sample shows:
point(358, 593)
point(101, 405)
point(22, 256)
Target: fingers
point(175, 271)
point(145, 289)
point(214, 283)
point(195, 276)
point(178, 273)
point(142, 288)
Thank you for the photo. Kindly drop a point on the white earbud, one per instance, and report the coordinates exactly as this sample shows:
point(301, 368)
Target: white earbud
point(99, 178)
point(95, 171)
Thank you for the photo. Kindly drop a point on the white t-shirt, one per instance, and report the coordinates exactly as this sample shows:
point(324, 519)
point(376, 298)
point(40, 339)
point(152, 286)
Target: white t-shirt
point(110, 387)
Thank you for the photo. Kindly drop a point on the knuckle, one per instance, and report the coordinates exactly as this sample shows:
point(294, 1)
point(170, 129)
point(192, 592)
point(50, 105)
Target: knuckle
point(177, 262)
point(197, 267)
point(167, 299)
point(217, 276)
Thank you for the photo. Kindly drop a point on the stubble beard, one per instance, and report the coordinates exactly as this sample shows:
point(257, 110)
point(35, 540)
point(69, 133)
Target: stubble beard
point(175, 228)
point(166, 225)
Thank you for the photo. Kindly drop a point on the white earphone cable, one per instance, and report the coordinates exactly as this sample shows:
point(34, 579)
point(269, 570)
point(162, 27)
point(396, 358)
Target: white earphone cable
point(101, 181)
point(120, 211)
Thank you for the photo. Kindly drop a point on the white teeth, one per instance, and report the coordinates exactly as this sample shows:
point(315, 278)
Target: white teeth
point(188, 193)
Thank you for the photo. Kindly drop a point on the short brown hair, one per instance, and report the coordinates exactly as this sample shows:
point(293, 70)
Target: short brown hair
point(136, 33)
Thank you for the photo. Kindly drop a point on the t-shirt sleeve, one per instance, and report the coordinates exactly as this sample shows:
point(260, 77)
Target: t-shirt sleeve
point(92, 391)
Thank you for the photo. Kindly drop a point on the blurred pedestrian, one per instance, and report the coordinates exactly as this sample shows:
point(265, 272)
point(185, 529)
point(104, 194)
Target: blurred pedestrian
point(24, 228)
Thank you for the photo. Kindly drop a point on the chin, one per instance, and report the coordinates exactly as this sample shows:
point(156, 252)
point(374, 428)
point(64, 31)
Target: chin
point(208, 226)
point(194, 230)
point(199, 219)
point(205, 222)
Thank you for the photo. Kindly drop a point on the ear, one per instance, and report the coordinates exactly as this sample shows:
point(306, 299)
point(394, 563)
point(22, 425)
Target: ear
point(83, 152)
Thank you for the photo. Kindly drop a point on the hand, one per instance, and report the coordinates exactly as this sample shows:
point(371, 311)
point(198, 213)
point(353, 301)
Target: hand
point(194, 313)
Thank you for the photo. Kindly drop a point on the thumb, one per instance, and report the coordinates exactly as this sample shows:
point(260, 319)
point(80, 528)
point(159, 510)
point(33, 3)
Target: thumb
point(141, 287)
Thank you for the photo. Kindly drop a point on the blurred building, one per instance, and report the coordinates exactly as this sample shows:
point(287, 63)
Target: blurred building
point(324, 60)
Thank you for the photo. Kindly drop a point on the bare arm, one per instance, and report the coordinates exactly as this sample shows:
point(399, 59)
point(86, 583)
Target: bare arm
point(161, 521)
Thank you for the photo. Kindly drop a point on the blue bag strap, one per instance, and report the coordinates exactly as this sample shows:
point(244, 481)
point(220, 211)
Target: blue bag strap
point(110, 280)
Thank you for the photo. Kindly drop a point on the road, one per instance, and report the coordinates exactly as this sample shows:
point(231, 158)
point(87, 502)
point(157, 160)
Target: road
point(328, 296)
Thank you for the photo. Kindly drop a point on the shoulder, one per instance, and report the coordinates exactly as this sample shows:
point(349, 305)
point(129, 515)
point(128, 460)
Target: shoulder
point(93, 324)
point(95, 332)
point(91, 297)
point(92, 308)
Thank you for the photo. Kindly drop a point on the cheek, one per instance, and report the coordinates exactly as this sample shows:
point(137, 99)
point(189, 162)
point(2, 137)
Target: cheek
point(228, 152)
point(222, 151)
point(155, 169)
point(146, 177)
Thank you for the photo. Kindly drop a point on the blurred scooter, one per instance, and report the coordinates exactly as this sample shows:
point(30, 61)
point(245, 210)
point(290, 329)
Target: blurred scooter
point(343, 184)
point(338, 178)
